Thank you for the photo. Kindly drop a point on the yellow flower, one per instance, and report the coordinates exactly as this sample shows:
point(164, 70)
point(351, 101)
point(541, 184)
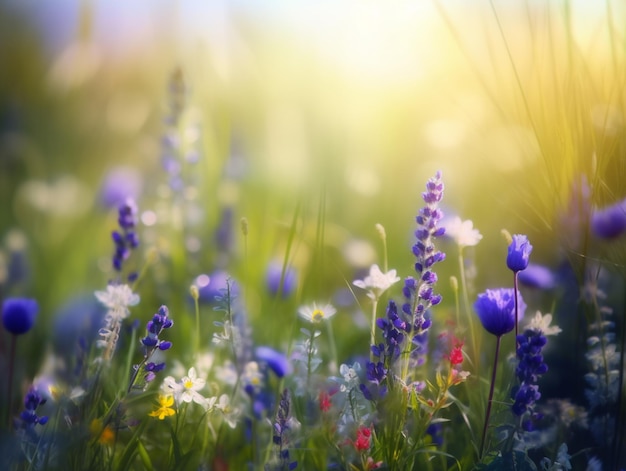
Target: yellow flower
point(165, 407)
point(105, 434)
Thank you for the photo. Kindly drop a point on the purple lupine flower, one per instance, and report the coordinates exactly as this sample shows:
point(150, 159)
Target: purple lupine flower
point(151, 343)
point(610, 221)
point(29, 417)
point(119, 184)
point(529, 368)
point(155, 326)
point(405, 331)
point(419, 291)
point(496, 310)
point(19, 314)
point(519, 253)
point(275, 276)
point(126, 238)
point(282, 426)
point(537, 276)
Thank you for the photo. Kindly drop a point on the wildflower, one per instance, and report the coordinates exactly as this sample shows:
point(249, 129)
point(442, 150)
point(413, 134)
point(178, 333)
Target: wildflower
point(537, 276)
point(496, 310)
point(276, 361)
point(120, 184)
point(103, 433)
point(363, 439)
point(377, 282)
point(529, 368)
point(324, 401)
point(19, 314)
point(371, 464)
point(165, 407)
point(151, 344)
point(126, 238)
point(282, 426)
point(456, 355)
point(32, 401)
point(230, 413)
point(315, 314)
point(519, 253)
point(211, 287)
point(117, 298)
point(279, 280)
point(419, 291)
point(462, 232)
point(252, 377)
point(154, 328)
point(542, 323)
point(610, 221)
point(187, 389)
point(350, 376)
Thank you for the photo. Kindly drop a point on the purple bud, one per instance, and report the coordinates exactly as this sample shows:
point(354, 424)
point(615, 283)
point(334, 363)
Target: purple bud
point(519, 253)
point(165, 345)
point(609, 222)
point(19, 314)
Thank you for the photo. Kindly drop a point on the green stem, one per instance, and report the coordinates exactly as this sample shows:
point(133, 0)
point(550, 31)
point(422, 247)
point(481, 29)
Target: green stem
point(515, 288)
point(197, 323)
point(489, 401)
point(464, 292)
point(373, 331)
point(10, 382)
point(333, 347)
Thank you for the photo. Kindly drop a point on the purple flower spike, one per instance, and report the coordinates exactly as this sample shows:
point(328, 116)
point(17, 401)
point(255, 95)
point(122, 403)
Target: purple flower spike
point(496, 310)
point(519, 253)
point(609, 222)
point(275, 360)
point(18, 314)
point(119, 184)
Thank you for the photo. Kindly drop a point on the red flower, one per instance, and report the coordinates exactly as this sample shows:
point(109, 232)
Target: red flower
point(363, 438)
point(325, 403)
point(456, 355)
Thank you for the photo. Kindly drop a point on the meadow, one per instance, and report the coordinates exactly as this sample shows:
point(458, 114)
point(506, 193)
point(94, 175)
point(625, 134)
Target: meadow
point(343, 236)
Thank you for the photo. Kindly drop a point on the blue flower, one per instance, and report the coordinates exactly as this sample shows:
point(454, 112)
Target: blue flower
point(275, 360)
point(609, 222)
point(275, 276)
point(119, 184)
point(537, 276)
point(213, 286)
point(18, 314)
point(519, 253)
point(496, 310)
point(28, 416)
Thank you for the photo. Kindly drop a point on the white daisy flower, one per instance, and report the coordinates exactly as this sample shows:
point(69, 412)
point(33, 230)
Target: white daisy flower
point(230, 413)
point(377, 282)
point(462, 232)
point(315, 314)
point(187, 389)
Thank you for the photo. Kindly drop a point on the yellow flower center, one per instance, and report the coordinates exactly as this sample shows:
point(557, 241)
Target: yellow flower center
point(188, 384)
point(317, 315)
